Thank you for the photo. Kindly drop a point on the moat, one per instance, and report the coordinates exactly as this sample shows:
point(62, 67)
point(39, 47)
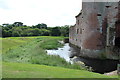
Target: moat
point(70, 54)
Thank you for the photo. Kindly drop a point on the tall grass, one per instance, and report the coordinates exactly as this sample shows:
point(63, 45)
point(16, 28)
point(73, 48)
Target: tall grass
point(34, 53)
point(51, 43)
point(13, 42)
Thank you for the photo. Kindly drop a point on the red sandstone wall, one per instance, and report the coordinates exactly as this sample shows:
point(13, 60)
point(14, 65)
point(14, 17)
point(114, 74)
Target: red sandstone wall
point(96, 29)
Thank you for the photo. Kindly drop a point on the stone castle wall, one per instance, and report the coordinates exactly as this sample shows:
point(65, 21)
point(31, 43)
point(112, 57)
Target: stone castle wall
point(97, 30)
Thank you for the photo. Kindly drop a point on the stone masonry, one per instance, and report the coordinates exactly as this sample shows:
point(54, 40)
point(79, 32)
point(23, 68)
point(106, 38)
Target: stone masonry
point(97, 30)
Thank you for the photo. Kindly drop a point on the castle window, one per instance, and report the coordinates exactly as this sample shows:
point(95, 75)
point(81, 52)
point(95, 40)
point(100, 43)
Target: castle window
point(78, 22)
point(77, 31)
point(98, 14)
point(116, 7)
point(108, 6)
point(117, 42)
point(98, 28)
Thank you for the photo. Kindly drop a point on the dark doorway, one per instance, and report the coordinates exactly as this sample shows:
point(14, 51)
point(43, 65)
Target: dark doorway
point(117, 31)
point(117, 42)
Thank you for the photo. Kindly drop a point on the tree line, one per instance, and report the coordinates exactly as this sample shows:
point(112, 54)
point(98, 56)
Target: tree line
point(18, 29)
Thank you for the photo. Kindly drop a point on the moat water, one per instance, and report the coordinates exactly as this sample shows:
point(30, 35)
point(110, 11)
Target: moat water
point(100, 66)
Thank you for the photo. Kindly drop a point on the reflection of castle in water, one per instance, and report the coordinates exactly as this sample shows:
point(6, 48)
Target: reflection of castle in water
point(97, 30)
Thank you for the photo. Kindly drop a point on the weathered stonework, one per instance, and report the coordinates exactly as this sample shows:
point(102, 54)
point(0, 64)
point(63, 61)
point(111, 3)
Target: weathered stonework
point(97, 30)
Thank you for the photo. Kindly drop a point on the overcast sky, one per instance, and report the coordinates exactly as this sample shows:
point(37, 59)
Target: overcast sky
point(32, 12)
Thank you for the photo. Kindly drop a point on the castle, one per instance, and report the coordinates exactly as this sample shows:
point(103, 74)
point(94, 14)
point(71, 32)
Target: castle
point(97, 30)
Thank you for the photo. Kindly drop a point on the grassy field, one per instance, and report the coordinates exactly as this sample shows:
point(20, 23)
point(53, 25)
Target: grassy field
point(21, 54)
point(13, 42)
point(34, 52)
point(18, 70)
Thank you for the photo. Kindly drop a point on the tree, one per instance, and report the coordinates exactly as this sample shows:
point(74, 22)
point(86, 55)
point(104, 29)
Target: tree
point(18, 29)
point(44, 32)
point(16, 32)
point(55, 31)
point(44, 26)
point(5, 25)
point(64, 31)
point(17, 24)
point(41, 26)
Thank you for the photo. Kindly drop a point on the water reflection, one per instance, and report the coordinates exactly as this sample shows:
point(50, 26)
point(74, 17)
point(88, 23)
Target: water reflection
point(63, 52)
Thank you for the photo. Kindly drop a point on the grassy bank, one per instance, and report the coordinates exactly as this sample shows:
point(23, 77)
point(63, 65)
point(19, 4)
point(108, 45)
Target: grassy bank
point(18, 70)
point(25, 57)
point(13, 42)
point(34, 52)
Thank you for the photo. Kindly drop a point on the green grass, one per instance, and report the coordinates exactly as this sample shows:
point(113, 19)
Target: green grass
point(34, 53)
point(51, 43)
point(21, 56)
point(18, 70)
point(13, 42)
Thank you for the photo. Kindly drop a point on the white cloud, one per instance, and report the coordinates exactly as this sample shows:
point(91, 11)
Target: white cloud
point(31, 12)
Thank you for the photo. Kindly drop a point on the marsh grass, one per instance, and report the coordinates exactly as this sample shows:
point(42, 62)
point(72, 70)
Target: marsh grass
point(33, 52)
